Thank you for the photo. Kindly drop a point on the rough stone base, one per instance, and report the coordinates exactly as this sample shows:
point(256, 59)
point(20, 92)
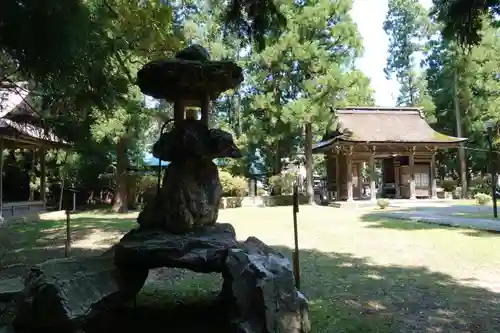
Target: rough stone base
point(263, 289)
point(64, 294)
point(204, 250)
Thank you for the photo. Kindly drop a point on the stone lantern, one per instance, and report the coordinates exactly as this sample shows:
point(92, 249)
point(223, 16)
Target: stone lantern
point(191, 192)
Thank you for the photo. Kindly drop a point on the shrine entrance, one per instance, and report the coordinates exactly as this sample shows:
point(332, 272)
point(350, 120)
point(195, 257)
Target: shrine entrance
point(398, 140)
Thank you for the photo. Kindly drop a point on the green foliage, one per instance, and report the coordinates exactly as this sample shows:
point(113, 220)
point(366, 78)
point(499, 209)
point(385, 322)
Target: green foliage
point(477, 91)
point(300, 76)
point(81, 69)
point(146, 184)
point(463, 19)
point(282, 184)
point(482, 199)
point(383, 203)
point(232, 186)
point(407, 26)
point(449, 185)
point(480, 184)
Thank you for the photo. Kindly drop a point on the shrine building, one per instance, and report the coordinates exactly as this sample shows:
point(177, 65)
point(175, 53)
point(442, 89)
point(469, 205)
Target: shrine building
point(397, 139)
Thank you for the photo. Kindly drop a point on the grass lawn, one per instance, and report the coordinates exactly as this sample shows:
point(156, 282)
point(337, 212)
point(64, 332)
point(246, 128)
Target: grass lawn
point(360, 272)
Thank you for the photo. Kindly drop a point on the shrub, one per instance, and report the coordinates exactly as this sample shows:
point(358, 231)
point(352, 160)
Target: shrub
point(482, 198)
point(141, 190)
point(146, 183)
point(480, 184)
point(449, 184)
point(383, 203)
point(261, 191)
point(232, 186)
point(282, 184)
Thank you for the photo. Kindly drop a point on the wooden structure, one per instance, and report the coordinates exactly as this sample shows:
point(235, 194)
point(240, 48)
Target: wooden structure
point(398, 138)
point(21, 128)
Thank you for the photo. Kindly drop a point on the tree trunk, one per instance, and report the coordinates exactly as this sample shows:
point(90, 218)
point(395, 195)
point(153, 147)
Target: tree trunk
point(461, 149)
point(410, 90)
point(277, 160)
point(309, 163)
point(120, 202)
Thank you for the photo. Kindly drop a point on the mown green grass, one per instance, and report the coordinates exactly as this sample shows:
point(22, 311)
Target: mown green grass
point(360, 272)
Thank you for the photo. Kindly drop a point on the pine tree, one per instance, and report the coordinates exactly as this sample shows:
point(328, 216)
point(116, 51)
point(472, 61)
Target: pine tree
point(307, 72)
point(407, 26)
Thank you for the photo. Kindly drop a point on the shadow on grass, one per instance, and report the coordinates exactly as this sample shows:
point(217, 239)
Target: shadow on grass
point(347, 294)
point(482, 233)
point(30, 242)
point(379, 221)
point(350, 294)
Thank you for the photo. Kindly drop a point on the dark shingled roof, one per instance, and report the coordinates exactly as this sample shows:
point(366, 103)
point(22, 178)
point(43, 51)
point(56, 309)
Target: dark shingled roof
point(23, 133)
point(385, 125)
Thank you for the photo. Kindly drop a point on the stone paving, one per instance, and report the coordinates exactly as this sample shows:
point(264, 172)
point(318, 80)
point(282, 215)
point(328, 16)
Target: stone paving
point(445, 214)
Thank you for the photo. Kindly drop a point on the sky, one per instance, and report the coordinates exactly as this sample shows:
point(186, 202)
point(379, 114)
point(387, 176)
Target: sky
point(369, 15)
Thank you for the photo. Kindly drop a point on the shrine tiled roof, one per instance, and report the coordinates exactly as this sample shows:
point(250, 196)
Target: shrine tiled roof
point(385, 125)
point(22, 133)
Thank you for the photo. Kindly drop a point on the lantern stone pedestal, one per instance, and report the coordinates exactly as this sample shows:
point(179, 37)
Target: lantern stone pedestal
point(177, 228)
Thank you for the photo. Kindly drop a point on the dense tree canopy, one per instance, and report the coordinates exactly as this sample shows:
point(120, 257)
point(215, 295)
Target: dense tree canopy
point(80, 59)
point(463, 19)
point(407, 26)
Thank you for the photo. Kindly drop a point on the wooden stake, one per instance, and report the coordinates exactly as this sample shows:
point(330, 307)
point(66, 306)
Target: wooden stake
point(67, 245)
point(296, 268)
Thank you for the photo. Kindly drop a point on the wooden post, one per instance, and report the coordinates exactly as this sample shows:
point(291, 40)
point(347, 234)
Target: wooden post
point(43, 195)
point(433, 176)
point(360, 166)
point(1, 179)
point(397, 179)
point(348, 157)
point(371, 167)
point(73, 197)
point(411, 166)
point(296, 267)
point(337, 177)
point(67, 245)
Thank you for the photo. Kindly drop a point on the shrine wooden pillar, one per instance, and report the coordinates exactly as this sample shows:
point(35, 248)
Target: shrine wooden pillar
point(348, 159)
point(371, 173)
point(411, 166)
point(337, 176)
point(397, 178)
point(433, 173)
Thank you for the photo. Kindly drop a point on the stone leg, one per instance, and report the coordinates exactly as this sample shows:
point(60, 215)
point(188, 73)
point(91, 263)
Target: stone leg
point(264, 292)
point(62, 294)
